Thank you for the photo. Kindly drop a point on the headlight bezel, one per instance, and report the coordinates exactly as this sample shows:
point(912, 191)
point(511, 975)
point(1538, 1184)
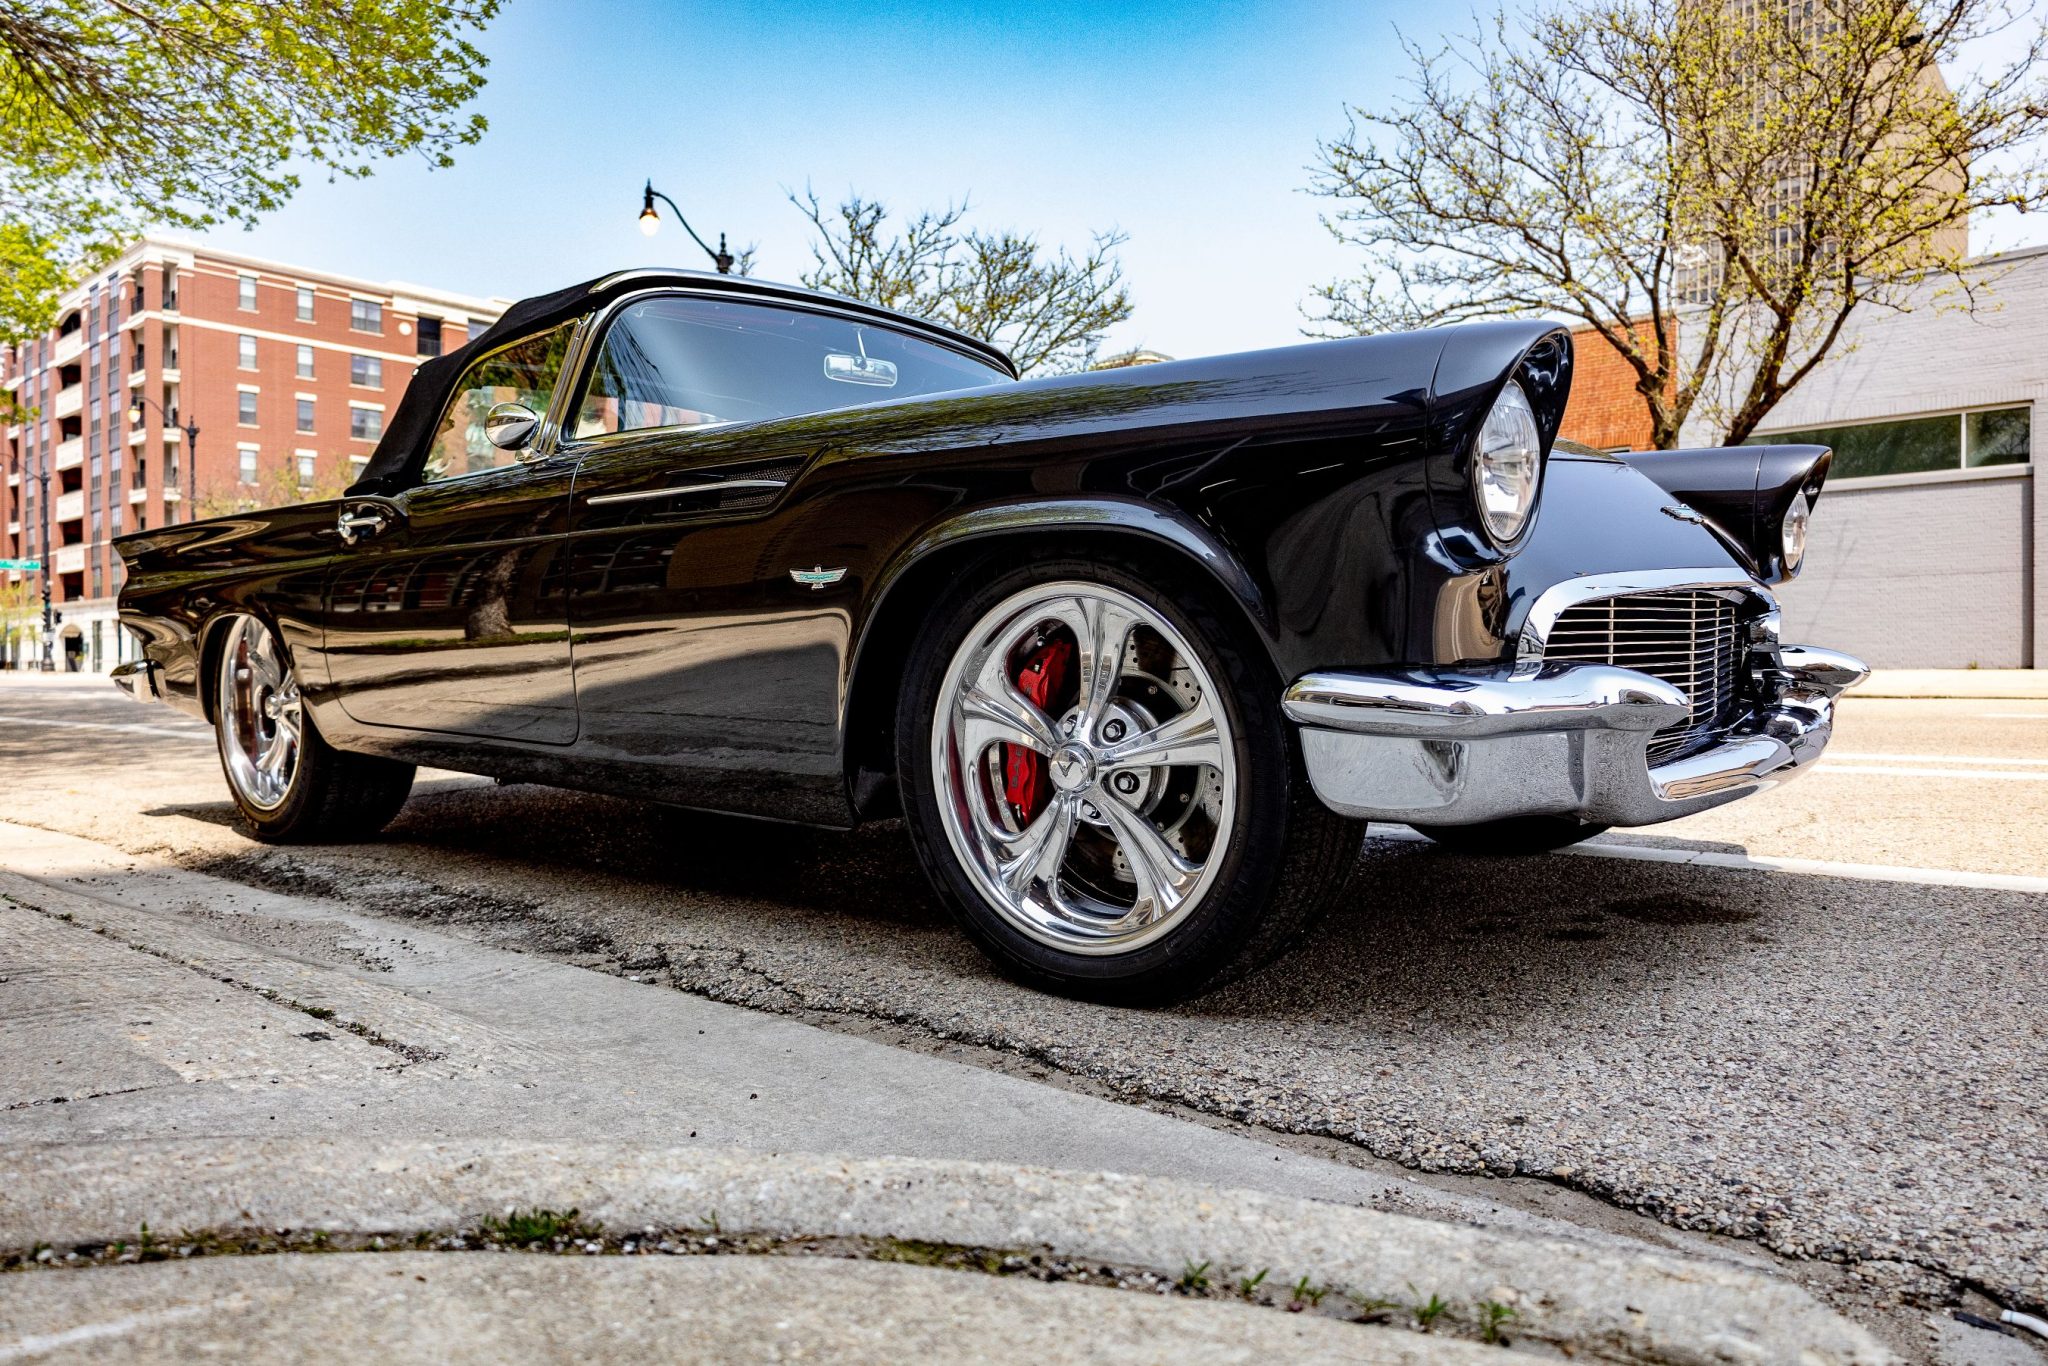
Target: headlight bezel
point(1507, 461)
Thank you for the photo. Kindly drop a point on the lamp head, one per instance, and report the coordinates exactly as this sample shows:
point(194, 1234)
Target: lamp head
point(650, 221)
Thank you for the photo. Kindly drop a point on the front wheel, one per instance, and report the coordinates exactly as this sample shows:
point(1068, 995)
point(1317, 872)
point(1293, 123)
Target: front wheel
point(1098, 780)
point(1513, 835)
point(290, 784)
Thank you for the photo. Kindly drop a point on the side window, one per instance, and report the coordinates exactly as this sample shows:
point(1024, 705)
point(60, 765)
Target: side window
point(524, 372)
point(678, 362)
point(636, 382)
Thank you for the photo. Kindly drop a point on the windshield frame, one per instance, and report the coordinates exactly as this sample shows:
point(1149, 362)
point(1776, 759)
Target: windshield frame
point(588, 346)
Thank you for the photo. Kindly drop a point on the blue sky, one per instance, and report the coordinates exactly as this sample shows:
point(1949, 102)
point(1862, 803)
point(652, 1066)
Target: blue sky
point(1187, 125)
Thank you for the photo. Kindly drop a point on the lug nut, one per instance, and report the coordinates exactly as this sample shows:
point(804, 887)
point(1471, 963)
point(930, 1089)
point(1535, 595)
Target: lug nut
point(1113, 731)
point(1127, 783)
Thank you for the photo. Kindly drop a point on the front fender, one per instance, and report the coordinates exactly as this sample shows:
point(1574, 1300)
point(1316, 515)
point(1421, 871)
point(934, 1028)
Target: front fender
point(916, 574)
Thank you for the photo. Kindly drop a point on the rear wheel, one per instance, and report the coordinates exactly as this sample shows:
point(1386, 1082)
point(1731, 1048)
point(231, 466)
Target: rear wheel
point(290, 784)
point(1513, 835)
point(1098, 780)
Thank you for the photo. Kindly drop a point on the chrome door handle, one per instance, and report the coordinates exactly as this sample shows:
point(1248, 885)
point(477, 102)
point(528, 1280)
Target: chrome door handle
point(355, 524)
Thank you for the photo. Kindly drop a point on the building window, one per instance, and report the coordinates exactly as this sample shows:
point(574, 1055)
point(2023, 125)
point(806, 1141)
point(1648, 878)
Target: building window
point(365, 424)
point(248, 472)
point(305, 303)
point(1916, 445)
point(245, 407)
point(366, 372)
point(305, 362)
point(306, 459)
point(365, 315)
point(245, 354)
point(430, 337)
point(305, 420)
point(245, 295)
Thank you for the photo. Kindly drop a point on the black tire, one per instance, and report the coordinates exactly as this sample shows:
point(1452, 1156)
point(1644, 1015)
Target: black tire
point(1513, 835)
point(1288, 855)
point(331, 796)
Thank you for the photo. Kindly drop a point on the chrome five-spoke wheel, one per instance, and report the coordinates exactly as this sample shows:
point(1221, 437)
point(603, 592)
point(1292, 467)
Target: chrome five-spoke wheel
point(1085, 768)
point(289, 783)
point(258, 711)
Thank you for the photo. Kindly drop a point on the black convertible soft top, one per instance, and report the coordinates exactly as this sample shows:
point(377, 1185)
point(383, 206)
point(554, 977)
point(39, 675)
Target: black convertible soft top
point(404, 443)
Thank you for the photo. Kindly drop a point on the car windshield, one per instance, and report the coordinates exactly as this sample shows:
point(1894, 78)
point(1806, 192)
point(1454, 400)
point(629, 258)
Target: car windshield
point(681, 361)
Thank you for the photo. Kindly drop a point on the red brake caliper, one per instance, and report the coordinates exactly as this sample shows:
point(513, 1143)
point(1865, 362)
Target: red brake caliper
point(1040, 680)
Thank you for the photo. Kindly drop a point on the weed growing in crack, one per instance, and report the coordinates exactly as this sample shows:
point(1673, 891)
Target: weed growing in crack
point(526, 1228)
point(1427, 1312)
point(1307, 1296)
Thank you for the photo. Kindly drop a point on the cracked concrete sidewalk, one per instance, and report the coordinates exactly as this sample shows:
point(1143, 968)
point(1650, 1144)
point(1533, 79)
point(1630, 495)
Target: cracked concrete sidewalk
point(140, 1001)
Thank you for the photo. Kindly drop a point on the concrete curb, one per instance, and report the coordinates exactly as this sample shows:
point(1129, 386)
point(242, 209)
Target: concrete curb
point(1593, 1301)
point(2005, 685)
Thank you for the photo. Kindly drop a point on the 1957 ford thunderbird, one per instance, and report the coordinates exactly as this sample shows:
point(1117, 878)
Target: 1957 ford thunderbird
point(1133, 652)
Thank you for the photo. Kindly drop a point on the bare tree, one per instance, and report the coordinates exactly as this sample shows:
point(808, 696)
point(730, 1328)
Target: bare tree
point(1047, 312)
point(1713, 187)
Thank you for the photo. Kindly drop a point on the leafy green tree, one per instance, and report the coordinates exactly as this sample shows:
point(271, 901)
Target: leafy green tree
point(1713, 187)
point(21, 618)
point(120, 113)
point(1047, 311)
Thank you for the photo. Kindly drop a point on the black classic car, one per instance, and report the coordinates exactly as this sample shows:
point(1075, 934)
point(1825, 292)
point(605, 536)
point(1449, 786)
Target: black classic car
point(1133, 652)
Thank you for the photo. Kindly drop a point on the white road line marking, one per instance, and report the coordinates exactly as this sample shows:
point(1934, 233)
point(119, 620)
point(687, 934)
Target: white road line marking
point(1900, 770)
point(192, 732)
point(1835, 754)
point(1755, 863)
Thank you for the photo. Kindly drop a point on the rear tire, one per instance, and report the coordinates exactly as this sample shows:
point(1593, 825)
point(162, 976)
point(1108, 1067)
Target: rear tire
point(290, 785)
point(1513, 835)
point(1217, 856)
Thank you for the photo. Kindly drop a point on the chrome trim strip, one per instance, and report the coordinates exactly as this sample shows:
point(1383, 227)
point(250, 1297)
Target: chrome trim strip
point(717, 486)
point(1554, 600)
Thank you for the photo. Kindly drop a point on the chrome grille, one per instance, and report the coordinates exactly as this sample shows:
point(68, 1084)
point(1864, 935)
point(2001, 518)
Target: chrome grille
point(1689, 638)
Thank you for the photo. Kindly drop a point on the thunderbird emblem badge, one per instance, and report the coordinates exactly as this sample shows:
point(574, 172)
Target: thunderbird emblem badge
point(817, 576)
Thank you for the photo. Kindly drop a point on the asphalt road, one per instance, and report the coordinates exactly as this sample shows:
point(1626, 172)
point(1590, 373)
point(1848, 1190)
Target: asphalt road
point(1831, 1066)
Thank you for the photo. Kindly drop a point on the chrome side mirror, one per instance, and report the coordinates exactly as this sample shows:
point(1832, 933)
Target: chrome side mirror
point(510, 426)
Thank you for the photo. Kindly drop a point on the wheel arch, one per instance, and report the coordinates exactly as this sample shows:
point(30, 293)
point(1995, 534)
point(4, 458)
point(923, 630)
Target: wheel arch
point(211, 638)
point(919, 576)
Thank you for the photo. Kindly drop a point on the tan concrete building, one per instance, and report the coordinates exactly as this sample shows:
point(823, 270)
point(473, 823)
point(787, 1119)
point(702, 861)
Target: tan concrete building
point(288, 373)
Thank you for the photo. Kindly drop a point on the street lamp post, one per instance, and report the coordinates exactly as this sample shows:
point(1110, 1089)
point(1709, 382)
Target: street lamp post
point(49, 620)
point(191, 433)
point(650, 223)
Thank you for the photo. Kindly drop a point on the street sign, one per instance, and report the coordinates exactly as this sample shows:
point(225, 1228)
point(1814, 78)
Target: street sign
point(29, 565)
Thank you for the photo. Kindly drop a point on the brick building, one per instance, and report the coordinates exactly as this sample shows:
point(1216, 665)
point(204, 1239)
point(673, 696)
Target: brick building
point(288, 373)
point(1605, 411)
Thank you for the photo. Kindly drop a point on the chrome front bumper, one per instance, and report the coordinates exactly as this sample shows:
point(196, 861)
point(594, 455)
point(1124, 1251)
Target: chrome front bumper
point(1459, 748)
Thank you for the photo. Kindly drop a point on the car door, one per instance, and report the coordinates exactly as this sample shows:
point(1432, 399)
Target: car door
point(701, 664)
point(447, 609)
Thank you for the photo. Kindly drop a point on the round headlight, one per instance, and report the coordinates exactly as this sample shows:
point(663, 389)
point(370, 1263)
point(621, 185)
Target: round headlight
point(1793, 533)
point(1507, 469)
